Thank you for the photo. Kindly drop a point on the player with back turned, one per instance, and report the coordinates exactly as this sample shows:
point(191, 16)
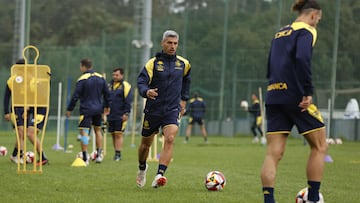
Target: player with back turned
point(92, 91)
point(289, 99)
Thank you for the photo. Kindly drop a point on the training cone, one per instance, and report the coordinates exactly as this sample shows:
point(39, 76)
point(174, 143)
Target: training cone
point(328, 158)
point(57, 147)
point(78, 163)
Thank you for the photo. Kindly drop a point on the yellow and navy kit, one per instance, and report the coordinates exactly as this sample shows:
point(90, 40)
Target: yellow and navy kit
point(92, 90)
point(289, 64)
point(255, 108)
point(197, 108)
point(171, 75)
point(121, 98)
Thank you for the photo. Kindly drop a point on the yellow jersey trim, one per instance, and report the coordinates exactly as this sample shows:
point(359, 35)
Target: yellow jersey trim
point(311, 29)
point(149, 66)
point(187, 64)
point(87, 75)
point(127, 88)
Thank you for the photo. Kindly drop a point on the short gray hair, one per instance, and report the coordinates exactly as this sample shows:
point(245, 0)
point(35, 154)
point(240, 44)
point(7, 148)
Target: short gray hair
point(170, 33)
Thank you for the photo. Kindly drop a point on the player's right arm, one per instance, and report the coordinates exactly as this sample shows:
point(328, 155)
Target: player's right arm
point(75, 97)
point(144, 79)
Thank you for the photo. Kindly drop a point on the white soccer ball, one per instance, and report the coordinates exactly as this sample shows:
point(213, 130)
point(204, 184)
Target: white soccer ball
point(302, 196)
point(93, 155)
point(330, 141)
point(3, 151)
point(215, 181)
point(338, 141)
point(30, 156)
point(244, 104)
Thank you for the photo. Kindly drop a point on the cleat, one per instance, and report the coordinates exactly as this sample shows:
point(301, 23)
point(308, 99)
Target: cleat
point(255, 140)
point(117, 158)
point(43, 162)
point(159, 181)
point(16, 160)
point(99, 159)
point(141, 177)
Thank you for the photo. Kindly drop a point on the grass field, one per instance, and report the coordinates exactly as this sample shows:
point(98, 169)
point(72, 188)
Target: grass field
point(236, 157)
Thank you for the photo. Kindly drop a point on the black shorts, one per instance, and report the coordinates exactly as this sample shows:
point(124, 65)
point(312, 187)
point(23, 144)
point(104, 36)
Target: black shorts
point(282, 117)
point(31, 120)
point(116, 126)
point(152, 123)
point(87, 121)
point(193, 120)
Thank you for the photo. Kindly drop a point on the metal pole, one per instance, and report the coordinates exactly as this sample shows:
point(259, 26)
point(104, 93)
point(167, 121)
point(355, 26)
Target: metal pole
point(334, 63)
point(146, 30)
point(279, 14)
point(223, 64)
point(22, 29)
point(27, 26)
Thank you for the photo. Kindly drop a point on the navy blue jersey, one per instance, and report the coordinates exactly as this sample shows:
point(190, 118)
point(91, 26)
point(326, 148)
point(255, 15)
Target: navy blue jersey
point(171, 75)
point(93, 93)
point(197, 107)
point(121, 98)
point(255, 108)
point(289, 64)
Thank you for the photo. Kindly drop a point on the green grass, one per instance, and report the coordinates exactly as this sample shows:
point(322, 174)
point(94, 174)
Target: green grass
point(236, 157)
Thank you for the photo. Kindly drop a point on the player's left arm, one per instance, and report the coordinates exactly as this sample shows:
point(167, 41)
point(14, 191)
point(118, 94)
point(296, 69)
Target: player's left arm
point(128, 100)
point(106, 95)
point(303, 60)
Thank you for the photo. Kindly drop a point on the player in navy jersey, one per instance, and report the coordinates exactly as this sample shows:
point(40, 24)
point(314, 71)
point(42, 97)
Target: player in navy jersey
point(257, 118)
point(165, 83)
point(121, 97)
point(18, 117)
point(289, 99)
point(92, 91)
point(196, 110)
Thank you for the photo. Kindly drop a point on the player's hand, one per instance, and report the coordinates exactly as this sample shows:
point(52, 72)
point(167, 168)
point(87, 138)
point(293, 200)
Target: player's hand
point(106, 111)
point(305, 103)
point(183, 107)
point(7, 117)
point(152, 93)
point(125, 117)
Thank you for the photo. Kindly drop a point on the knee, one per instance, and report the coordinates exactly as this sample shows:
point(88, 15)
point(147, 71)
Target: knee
point(321, 148)
point(277, 155)
point(169, 139)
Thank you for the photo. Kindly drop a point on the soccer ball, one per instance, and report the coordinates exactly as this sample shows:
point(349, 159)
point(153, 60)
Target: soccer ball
point(3, 151)
point(330, 141)
point(30, 156)
point(93, 155)
point(302, 196)
point(215, 181)
point(338, 141)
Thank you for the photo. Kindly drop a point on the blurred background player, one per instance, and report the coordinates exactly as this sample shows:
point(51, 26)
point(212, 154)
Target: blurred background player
point(121, 97)
point(11, 117)
point(196, 110)
point(18, 117)
point(289, 99)
point(94, 96)
point(165, 83)
point(255, 110)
